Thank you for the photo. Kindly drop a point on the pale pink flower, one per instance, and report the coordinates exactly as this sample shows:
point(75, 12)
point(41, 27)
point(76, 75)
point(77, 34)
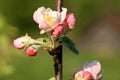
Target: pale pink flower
point(18, 43)
point(48, 19)
point(89, 71)
point(57, 31)
point(30, 51)
point(70, 20)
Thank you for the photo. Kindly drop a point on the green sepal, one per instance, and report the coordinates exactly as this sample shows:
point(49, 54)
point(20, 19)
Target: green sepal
point(69, 44)
point(45, 42)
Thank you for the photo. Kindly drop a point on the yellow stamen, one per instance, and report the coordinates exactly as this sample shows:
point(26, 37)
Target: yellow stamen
point(49, 19)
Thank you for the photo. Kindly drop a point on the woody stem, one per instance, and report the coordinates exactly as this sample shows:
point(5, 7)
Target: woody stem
point(57, 57)
point(57, 52)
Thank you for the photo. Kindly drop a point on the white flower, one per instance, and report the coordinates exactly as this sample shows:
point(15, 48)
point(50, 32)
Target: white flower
point(48, 19)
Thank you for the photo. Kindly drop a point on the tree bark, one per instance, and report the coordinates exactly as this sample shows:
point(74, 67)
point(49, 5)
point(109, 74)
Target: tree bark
point(57, 57)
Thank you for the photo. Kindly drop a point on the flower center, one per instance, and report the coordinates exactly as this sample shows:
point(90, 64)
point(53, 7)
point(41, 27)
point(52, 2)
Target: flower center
point(49, 19)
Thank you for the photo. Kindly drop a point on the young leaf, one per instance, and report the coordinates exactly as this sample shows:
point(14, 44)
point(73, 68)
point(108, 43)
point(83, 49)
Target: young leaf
point(69, 44)
point(67, 41)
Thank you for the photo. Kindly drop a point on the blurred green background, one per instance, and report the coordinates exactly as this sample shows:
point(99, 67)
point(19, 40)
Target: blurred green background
point(96, 36)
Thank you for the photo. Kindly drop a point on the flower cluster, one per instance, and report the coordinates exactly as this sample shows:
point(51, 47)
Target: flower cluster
point(54, 23)
point(24, 42)
point(89, 71)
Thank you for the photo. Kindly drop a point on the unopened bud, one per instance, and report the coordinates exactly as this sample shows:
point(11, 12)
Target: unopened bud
point(31, 51)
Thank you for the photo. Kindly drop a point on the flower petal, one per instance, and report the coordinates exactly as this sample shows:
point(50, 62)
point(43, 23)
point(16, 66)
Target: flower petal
point(93, 67)
point(63, 14)
point(18, 43)
point(38, 15)
point(44, 26)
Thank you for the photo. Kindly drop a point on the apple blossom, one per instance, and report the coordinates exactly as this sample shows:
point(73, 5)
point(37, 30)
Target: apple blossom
point(48, 19)
point(31, 51)
point(18, 43)
point(53, 23)
point(70, 20)
point(57, 31)
point(89, 71)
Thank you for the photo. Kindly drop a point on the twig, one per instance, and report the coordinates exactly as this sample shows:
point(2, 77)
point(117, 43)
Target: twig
point(57, 53)
point(59, 5)
point(57, 56)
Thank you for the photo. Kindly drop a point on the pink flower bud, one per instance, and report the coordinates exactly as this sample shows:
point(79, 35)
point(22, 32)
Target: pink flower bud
point(31, 51)
point(86, 75)
point(18, 43)
point(57, 31)
point(70, 20)
point(83, 75)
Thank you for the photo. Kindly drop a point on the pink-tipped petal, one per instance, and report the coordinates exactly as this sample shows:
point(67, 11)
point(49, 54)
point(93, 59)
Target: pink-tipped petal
point(43, 26)
point(93, 67)
point(37, 15)
point(89, 71)
point(96, 68)
point(18, 43)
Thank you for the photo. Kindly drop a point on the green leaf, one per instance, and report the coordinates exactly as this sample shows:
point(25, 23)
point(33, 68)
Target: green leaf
point(69, 44)
point(67, 41)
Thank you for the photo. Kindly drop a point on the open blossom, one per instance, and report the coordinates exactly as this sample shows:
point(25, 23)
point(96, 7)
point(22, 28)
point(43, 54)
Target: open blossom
point(70, 20)
point(57, 31)
point(18, 43)
point(31, 51)
point(48, 19)
point(89, 71)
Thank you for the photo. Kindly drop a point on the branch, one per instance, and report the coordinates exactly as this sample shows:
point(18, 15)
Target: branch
point(59, 5)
